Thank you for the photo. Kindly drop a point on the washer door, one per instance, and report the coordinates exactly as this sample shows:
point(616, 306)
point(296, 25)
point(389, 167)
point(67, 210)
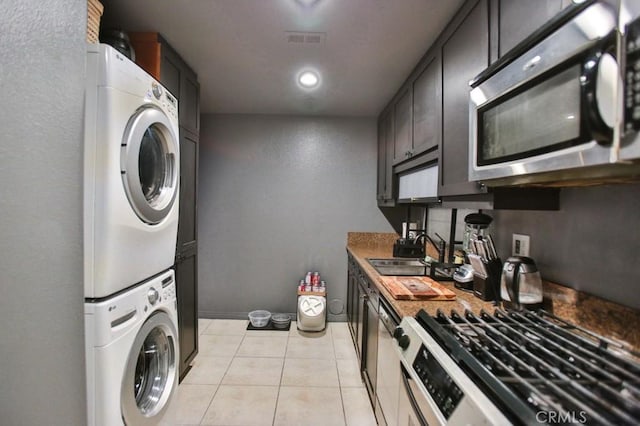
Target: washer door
point(151, 376)
point(149, 164)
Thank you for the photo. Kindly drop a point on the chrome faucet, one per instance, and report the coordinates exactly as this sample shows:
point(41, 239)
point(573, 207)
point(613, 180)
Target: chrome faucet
point(440, 246)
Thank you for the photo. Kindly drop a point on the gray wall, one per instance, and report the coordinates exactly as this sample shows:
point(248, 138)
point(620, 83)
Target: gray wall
point(277, 196)
point(42, 379)
point(592, 244)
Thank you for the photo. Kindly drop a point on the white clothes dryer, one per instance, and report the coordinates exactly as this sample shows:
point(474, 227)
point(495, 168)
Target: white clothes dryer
point(132, 354)
point(131, 174)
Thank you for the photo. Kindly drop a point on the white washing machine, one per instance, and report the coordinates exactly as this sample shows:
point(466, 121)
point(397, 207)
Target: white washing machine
point(132, 354)
point(131, 174)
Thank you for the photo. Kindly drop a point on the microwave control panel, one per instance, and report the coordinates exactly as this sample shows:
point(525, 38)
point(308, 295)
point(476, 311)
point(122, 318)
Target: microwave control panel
point(632, 77)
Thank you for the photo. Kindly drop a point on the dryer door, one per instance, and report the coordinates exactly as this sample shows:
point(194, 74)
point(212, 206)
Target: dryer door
point(149, 162)
point(151, 375)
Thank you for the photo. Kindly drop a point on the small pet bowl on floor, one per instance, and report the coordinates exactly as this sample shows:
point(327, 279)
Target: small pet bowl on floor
point(280, 320)
point(259, 318)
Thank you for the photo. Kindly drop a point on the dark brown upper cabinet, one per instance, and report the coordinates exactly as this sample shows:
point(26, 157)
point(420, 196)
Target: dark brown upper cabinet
point(465, 53)
point(385, 195)
point(519, 18)
point(429, 115)
point(427, 107)
point(402, 127)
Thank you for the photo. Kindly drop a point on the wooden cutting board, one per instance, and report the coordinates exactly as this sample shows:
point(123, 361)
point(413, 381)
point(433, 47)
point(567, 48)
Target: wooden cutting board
point(416, 288)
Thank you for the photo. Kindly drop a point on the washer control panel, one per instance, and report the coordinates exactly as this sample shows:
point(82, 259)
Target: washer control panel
point(170, 104)
point(162, 97)
point(168, 288)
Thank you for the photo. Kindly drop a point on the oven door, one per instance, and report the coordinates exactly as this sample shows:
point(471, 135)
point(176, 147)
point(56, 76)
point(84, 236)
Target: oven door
point(414, 408)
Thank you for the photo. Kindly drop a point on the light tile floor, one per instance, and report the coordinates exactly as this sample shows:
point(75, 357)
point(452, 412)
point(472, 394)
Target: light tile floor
point(247, 378)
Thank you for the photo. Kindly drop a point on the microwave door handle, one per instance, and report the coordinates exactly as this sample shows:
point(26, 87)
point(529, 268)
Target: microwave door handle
point(412, 398)
point(600, 75)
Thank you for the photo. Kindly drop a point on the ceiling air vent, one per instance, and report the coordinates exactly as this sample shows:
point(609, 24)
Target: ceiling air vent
point(305, 38)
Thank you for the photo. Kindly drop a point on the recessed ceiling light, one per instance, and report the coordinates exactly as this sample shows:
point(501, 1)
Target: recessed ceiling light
point(308, 79)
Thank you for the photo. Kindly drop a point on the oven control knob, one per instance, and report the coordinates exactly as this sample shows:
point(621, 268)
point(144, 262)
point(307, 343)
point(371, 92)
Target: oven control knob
point(398, 332)
point(403, 339)
point(153, 296)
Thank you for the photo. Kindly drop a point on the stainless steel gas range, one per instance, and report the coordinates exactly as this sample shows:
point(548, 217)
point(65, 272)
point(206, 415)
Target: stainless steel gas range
point(513, 367)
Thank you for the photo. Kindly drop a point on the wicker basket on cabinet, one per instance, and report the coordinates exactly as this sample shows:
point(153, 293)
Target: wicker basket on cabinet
point(94, 13)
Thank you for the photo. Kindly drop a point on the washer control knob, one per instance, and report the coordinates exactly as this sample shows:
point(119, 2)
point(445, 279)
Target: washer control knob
point(156, 89)
point(153, 296)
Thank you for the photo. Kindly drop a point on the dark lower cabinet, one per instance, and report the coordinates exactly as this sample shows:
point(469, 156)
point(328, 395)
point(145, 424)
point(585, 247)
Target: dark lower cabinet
point(370, 358)
point(187, 251)
point(361, 324)
point(187, 295)
point(362, 313)
point(352, 300)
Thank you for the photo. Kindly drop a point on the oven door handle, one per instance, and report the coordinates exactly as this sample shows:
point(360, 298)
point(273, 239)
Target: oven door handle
point(412, 398)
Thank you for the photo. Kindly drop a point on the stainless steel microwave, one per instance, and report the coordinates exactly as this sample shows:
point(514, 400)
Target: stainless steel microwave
point(554, 109)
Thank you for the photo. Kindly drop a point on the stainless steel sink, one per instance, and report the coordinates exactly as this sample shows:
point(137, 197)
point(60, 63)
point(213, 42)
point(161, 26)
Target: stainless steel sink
point(407, 267)
point(396, 262)
point(413, 267)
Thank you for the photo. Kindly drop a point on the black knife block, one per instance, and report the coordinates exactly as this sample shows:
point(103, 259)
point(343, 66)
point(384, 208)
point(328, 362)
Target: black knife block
point(488, 288)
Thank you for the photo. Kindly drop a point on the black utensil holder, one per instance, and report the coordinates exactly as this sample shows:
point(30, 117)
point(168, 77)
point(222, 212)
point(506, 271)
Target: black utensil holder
point(408, 250)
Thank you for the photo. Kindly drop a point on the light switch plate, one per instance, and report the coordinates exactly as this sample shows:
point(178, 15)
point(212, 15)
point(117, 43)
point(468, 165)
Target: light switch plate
point(520, 245)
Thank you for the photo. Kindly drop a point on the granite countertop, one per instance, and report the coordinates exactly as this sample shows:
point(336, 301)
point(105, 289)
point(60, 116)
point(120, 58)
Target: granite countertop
point(380, 246)
point(606, 318)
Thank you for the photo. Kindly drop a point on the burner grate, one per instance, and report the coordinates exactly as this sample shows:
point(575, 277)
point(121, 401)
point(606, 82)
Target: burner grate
point(550, 364)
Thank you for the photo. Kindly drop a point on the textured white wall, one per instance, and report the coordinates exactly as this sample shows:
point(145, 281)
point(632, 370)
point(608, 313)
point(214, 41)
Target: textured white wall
point(42, 67)
point(277, 196)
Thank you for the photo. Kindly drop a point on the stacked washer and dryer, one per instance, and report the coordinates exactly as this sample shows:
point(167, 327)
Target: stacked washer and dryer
point(131, 184)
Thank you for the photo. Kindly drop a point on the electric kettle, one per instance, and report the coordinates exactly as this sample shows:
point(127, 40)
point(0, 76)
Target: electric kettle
point(521, 285)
